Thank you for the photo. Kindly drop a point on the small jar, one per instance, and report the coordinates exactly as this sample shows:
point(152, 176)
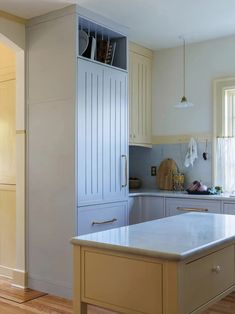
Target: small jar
point(178, 182)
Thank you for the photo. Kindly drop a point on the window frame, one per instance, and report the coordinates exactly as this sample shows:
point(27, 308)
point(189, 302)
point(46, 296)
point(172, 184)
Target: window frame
point(219, 87)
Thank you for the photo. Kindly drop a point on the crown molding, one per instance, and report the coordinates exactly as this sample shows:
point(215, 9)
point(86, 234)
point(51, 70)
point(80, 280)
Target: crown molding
point(12, 17)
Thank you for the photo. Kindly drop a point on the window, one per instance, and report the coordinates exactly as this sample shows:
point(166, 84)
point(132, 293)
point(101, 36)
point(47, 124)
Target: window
point(224, 134)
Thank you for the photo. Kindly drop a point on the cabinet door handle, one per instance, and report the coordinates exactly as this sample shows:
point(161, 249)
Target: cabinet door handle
point(104, 222)
point(216, 269)
point(186, 209)
point(125, 184)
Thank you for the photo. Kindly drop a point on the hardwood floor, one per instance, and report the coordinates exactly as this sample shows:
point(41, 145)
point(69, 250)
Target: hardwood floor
point(49, 304)
point(46, 304)
point(18, 301)
point(225, 306)
point(16, 294)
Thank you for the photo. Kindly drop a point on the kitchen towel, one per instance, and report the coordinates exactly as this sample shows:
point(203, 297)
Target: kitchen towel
point(191, 154)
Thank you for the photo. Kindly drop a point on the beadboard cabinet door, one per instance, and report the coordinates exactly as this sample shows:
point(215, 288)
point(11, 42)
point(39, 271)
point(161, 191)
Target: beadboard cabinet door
point(102, 134)
point(90, 132)
point(140, 88)
point(115, 137)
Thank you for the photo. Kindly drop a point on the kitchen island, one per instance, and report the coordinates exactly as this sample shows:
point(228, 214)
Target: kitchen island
point(175, 265)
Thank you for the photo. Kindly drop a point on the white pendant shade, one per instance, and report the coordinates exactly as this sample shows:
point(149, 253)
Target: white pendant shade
point(184, 103)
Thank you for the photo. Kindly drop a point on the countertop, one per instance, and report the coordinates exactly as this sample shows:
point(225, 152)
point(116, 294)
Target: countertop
point(173, 238)
point(183, 194)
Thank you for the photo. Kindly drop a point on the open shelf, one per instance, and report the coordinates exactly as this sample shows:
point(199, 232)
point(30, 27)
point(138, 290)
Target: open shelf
point(101, 44)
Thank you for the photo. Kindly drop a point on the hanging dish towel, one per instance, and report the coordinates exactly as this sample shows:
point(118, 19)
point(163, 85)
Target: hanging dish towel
point(191, 154)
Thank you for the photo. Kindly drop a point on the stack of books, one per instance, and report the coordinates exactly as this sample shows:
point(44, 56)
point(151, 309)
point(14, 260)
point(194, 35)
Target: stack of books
point(105, 51)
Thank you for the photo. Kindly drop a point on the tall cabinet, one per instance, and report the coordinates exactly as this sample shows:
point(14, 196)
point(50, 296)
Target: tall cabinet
point(77, 140)
point(102, 112)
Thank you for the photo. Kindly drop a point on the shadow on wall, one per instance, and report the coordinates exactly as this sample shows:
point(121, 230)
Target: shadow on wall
point(141, 160)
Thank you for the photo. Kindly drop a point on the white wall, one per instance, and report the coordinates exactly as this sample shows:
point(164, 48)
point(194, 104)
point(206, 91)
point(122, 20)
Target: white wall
point(13, 31)
point(205, 61)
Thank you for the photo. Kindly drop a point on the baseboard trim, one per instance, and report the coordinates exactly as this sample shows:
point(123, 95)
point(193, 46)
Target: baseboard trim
point(50, 288)
point(6, 272)
point(20, 278)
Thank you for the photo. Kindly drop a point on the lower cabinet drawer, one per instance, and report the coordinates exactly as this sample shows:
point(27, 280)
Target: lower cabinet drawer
point(101, 217)
point(207, 277)
point(175, 206)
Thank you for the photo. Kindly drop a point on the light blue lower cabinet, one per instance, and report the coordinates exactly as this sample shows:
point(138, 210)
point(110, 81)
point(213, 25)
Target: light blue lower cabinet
point(95, 218)
point(145, 208)
point(229, 208)
point(175, 206)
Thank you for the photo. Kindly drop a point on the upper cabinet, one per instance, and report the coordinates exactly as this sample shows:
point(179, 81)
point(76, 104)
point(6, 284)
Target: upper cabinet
point(140, 89)
point(100, 44)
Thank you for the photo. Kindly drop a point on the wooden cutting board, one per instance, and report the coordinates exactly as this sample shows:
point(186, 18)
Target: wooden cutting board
point(165, 174)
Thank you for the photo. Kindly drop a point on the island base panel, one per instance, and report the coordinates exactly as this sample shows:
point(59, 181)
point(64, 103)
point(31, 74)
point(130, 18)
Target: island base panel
point(124, 283)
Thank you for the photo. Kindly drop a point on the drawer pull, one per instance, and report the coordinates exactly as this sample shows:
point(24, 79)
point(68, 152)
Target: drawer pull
point(216, 269)
point(186, 209)
point(104, 222)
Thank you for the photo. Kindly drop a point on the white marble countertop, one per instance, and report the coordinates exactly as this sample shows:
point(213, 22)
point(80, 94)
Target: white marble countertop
point(175, 238)
point(183, 194)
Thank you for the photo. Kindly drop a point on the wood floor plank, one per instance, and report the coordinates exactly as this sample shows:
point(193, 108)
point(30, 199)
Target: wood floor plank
point(50, 304)
point(45, 304)
point(7, 291)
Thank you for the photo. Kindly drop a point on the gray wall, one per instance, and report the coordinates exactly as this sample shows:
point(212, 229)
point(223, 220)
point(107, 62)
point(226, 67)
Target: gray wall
point(141, 159)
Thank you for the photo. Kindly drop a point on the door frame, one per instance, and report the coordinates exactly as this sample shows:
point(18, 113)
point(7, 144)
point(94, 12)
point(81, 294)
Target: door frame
point(19, 273)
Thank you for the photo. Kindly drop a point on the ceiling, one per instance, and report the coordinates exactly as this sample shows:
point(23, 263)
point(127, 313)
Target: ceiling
point(156, 24)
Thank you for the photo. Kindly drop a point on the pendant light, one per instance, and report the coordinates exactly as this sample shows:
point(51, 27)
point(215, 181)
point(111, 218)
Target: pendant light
point(184, 103)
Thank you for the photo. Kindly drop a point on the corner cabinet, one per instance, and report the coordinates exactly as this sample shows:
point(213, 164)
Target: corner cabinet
point(145, 208)
point(140, 98)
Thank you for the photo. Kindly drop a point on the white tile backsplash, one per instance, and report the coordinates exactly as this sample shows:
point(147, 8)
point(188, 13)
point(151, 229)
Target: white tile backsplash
point(141, 160)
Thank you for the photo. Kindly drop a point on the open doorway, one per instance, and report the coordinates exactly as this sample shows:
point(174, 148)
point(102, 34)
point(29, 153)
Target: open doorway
point(12, 162)
point(7, 160)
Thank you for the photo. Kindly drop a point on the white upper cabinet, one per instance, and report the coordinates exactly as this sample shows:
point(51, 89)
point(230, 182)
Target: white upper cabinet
point(140, 89)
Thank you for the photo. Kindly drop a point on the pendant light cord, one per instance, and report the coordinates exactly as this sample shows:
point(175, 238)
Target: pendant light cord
point(184, 66)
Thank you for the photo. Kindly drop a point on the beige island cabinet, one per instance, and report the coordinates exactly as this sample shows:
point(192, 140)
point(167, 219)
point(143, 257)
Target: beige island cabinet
point(174, 265)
